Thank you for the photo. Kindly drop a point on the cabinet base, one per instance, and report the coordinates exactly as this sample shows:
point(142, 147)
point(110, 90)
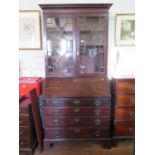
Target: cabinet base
point(48, 143)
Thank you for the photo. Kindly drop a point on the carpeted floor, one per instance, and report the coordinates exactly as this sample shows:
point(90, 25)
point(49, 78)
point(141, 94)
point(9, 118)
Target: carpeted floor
point(87, 148)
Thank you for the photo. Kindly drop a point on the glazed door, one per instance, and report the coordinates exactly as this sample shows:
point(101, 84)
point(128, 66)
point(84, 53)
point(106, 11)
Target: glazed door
point(91, 45)
point(60, 44)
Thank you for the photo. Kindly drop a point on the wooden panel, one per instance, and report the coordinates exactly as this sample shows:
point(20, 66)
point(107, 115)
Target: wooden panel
point(24, 120)
point(76, 87)
point(125, 100)
point(76, 121)
point(69, 133)
point(125, 114)
point(25, 143)
point(24, 133)
point(125, 86)
point(62, 102)
point(124, 129)
point(76, 111)
point(24, 107)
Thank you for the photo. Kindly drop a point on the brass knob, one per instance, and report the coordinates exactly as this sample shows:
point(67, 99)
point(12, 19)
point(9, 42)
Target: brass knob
point(21, 143)
point(76, 120)
point(97, 111)
point(76, 102)
point(76, 109)
point(97, 121)
point(76, 130)
point(97, 102)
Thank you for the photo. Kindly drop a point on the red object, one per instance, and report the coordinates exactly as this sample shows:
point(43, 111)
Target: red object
point(28, 83)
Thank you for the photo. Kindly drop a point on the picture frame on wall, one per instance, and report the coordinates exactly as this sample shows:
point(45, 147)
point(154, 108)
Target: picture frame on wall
point(30, 30)
point(125, 29)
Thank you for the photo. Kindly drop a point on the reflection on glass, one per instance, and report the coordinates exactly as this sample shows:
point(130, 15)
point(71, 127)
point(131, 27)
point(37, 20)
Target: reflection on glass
point(91, 45)
point(59, 45)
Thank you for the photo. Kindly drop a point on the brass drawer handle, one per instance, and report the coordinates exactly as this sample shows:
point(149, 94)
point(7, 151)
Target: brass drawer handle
point(97, 121)
point(97, 102)
point(76, 109)
point(76, 130)
point(76, 120)
point(56, 134)
point(56, 121)
point(97, 133)
point(97, 111)
point(47, 101)
point(76, 102)
point(130, 129)
point(55, 102)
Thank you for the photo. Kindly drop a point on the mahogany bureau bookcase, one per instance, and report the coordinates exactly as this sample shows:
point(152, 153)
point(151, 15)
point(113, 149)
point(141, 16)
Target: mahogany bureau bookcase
point(76, 101)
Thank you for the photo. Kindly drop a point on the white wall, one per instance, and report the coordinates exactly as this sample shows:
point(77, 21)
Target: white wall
point(32, 62)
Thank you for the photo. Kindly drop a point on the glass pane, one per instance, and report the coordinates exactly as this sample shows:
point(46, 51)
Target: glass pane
point(59, 45)
point(91, 45)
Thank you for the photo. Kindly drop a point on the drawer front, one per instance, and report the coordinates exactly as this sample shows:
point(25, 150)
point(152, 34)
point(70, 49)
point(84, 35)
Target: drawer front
point(62, 102)
point(125, 87)
point(25, 151)
point(125, 114)
point(76, 111)
point(24, 121)
point(25, 143)
point(124, 129)
point(24, 133)
point(76, 121)
point(23, 111)
point(76, 133)
point(125, 100)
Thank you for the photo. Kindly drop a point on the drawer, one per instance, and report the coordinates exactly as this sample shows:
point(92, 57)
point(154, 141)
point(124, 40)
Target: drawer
point(124, 129)
point(23, 110)
point(25, 143)
point(26, 151)
point(125, 114)
point(76, 111)
point(125, 86)
point(62, 102)
point(24, 133)
point(125, 100)
point(76, 121)
point(24, 120)
point(25, 107)
point(76, 133)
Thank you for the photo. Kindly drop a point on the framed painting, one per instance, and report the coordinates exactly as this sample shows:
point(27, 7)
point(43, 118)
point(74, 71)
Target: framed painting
point(125, 30)
point(29, 30)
